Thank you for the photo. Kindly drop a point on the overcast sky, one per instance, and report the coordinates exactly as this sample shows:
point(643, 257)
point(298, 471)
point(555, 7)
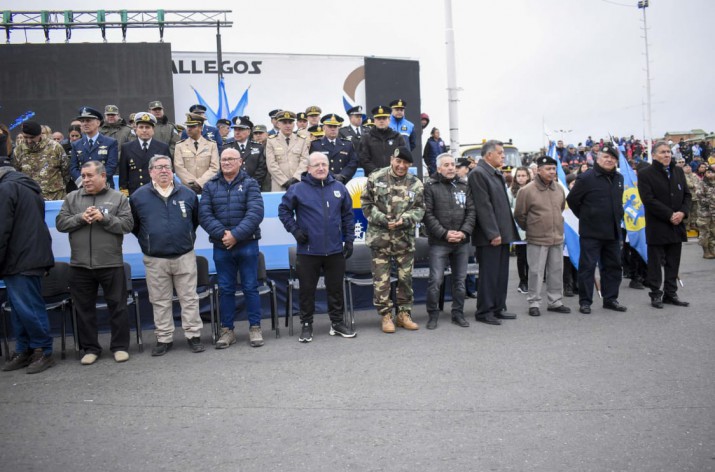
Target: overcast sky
point(575, 64)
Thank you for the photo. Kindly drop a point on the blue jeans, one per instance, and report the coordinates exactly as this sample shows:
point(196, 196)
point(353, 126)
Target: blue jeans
point(29, 317)
point(241, 259)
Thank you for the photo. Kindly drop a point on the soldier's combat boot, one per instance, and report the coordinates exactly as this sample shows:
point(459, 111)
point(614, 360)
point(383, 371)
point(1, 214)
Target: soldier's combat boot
point(707, 253)
point(404, 320)
point(387, 325)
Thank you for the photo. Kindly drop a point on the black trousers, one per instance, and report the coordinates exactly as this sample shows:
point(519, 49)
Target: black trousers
point(607, 255)
point(663, 258)
point(83, 288)
point(308, 269)
point(522, 265)
point(493, 280)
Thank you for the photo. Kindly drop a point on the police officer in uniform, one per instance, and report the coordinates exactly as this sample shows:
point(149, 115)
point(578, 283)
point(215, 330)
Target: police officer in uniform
point(402, 125)
point(164, 130)
point(274, 121)
point(301, 121)
point(224, 129)
point(252, 152)
point(354, 131)
point(93, 146)
point(313, 114)
point(196, 160)
point(316, 133)
point(287, 153)
point(134, 165)
point(341, 156)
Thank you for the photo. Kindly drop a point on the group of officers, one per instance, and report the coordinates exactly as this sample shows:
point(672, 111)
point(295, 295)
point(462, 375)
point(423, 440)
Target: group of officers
point(457, 210)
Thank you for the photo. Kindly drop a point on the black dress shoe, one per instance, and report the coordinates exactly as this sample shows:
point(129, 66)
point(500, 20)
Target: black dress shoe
point(585, 309)
point(161, 348)
point(488, 319)
point(656, 302)
point(559, 309)
point(534, 311)
point(460, 321)
point(614, 305)
point(504, 315)
point(471, 294)
point(195, 344)
point(636, 284)
point(674, 300)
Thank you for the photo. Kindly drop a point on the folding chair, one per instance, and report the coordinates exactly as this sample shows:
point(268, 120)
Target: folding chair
point(266, 286)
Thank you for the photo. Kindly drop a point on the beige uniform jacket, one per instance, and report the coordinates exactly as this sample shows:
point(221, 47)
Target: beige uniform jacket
point(286, 161)
point(196, 165)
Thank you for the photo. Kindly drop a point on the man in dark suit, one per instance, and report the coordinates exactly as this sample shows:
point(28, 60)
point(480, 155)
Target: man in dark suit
point(341, 155)
point(134, 165)
point(666, 198)
point(93, 146)
point(494, 232)
point(252, 152)
point(354, 131)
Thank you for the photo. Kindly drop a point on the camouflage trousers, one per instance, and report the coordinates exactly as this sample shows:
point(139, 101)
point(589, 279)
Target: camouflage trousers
point(706, 228)
point(381, 268)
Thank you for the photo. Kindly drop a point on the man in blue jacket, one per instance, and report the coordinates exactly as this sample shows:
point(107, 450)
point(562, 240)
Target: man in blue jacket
point(317, 211)
point(166, 215)
point(231, 211)
point(93, 146)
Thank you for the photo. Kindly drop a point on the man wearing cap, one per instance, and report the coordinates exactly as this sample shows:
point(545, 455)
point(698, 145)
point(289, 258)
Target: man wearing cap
point(597, 201)
point(402, 125)
point(164, 130)
point(340, 153)
point(493, 234)
point(378, 146)
point(43, 160)
point(25, 257)
point(274, 122)
point(393, 205)
point(134, 164)
point(115, 127)
point(316, 133)
point(301, 121)
point(287, 153)
point(224, 129)
point(196, 158)
point(572, 158)
point(252, 152)
point(260, 134)
point(354, 130)
point(312, 113)
point(97, 218)
point(93, 146)
point(207, 131)
point(666, 199)
point(539, 211)
point(166, 216)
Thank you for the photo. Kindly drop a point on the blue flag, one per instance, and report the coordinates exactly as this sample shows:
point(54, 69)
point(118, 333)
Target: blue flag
point(573, 245)
point(633, 212)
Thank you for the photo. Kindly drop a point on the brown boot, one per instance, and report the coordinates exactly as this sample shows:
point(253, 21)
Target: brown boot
point(405, 321)
point(387, 325)
point(708, 254)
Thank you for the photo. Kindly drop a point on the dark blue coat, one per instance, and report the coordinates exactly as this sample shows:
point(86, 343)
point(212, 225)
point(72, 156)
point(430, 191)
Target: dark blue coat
point(597, 201)
point(134, 164)
point(165, 228)
point(322, 209)
point(104, 149)
point(342, 156)
point(236, 206)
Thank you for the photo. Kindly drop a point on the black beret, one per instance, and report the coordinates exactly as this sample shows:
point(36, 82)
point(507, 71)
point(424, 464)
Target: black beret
point(545, 161)
point(610, 149)
point(31, 128)
point(403, 153)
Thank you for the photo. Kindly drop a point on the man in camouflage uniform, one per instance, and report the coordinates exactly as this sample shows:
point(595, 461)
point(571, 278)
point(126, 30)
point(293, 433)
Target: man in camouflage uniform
point(706, 215)
point(393, 204)
point(43, 160)
point(115, 127)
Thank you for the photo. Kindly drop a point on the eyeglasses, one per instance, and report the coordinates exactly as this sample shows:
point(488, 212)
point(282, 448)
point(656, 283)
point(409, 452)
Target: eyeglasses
point(162, 167)
point(229, 159)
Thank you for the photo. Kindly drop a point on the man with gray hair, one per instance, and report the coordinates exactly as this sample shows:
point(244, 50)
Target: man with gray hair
point(449, 220)
point(97, 218)
point(166, 215)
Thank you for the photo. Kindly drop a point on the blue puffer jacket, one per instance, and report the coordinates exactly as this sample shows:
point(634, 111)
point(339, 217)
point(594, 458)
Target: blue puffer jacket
point(235, 206)
point(165, 228)
point(322, 209)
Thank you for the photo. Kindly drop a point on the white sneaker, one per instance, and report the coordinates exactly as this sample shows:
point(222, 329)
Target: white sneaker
point(121, 356)
point(89, 359)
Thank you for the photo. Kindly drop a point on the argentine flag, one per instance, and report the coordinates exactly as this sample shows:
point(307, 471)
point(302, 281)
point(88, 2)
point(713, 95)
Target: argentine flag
point(570, 221)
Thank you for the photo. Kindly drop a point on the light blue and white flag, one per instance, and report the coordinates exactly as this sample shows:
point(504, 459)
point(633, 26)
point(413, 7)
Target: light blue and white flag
point(573, 246)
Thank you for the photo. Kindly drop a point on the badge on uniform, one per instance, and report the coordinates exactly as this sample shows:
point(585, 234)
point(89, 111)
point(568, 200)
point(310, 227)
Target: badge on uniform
point(389, 142)
point(336, 193)
point(182, 205)
point(410, 195)
point(404, 128)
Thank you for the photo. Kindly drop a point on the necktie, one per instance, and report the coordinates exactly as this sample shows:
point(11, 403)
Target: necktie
point(357, 131)
point(196, 145)
point(332, 143)
point(243, 148)
point(667, 171)
point(90, 143)
point(287, 141)
point(145, 146)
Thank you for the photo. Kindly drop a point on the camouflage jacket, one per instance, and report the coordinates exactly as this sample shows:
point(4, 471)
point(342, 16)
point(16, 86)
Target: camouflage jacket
point(706, 198)
point(47, 164)
point(386, 199)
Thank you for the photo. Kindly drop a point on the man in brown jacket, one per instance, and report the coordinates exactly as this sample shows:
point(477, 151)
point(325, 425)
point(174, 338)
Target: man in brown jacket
point(538, 210)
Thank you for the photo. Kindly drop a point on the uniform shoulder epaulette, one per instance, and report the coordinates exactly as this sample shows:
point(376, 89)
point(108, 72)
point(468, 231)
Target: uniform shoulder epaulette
point(181, 140)
point(301, 133)
point(273, 136)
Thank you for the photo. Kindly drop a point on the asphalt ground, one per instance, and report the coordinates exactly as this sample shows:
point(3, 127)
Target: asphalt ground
point(608, 391)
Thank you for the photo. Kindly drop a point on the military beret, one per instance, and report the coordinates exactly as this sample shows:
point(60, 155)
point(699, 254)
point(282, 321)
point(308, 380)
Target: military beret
point(223, 121)
point(399, 103)
point(301, 116)
point(260, 129)
point(155, 104)
point(462, 162)
point(313, 110)
point(272, 114)
point(610, 149)
point(381, 111)
point(242, 123)
point(89, 112)
point(545, 161)
point(31, 128)
point(111, 110)
point(285, 115)
point(146, 118)
point(332, 119)
point(403, 153)
point(317, 131)
point(369, 122)
point(356, 110)
point(197, 108)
